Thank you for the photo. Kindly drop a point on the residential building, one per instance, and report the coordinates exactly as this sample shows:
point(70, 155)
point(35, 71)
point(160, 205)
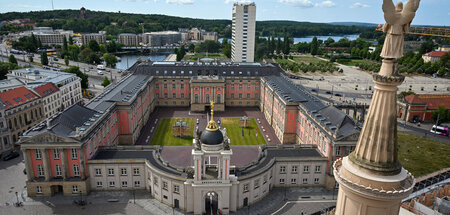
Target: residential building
point(51, 98)
point(21, 110)
point(161, 38)
point(99, 37)
point(243, 32)
point(68, 84)
point(419, 107)
point(129, 39)
point(199, 34)
point(433, 56)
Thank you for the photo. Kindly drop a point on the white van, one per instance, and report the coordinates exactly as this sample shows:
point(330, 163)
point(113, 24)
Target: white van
point(101, 67)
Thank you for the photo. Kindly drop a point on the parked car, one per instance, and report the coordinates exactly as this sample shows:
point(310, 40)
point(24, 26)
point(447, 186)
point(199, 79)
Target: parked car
point(55, 59)
point(99, 72)
point(314, 90)
point(338, 95)
point(328, 92)
point(11, 155)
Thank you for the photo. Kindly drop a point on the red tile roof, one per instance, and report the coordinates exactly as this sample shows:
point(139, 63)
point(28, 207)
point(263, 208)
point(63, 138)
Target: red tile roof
point(17, 96)
point(435, 53)
point(46, 89)
point(433, 101)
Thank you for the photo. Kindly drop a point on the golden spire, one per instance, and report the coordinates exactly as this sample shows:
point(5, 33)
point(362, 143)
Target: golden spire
point(212, 126)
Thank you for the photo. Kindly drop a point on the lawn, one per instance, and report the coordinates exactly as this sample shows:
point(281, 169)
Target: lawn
point(203, 55)
point(234, 132)
point(353, 62)
point(422, 156)
point(306, 59)
point(164, 134)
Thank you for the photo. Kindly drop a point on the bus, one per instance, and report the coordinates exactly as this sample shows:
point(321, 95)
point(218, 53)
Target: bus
point(440, 130)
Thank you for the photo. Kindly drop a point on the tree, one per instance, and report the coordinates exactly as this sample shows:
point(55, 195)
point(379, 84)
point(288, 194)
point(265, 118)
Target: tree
point(74, 51)
point(93, 45)
point(85, 53)
point(426, 47)
point(106, 82)
point(443, 113)
point(30, 58)
point(65, 47)
point(44, 58)
point(66, 60)
point(70, 40)
point(314, 46)
point(197, 49)
point(84, 78)
point(445, 60)
point(12, 59)
point(94, 59)
point(403, 94)
point(226, 50)
point(279, 48)
point(191, 47)
point(110, 60)
point(111, 46)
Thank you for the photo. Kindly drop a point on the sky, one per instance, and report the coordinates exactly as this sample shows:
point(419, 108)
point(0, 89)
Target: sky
point(431, 12)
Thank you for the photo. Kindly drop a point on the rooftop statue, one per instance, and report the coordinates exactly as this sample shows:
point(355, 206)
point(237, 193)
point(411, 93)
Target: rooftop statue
point(398, 20)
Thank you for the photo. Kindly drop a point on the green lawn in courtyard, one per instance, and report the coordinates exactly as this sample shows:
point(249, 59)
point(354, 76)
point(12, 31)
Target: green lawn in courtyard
point(164, 134)
point(422, 156)
point(196, 56)
point(306, 59)
point(234, 132)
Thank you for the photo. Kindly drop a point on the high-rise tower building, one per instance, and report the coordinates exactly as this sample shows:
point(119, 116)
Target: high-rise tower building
point(243, 32)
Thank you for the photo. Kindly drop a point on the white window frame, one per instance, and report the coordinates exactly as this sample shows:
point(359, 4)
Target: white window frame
point(56, 154)
point(281, 180)
point(136, 171)
point(165, 185)
point(98, 172)
point(316, 180)
point(75, 189)
point(305, 181)
point(123, 171)
point(38, 154)
point(245, 188)
point(112, 184)
point(110, 172)
point(294, 169)
point(176, 189)
point(39, 189)
point(305, 169)
point(318, 169)
point(76, 170)
point(282, 169)
point(40, 170)
point(74, 154)
point(99, 184)
point(137, 183)
point(293, 181)
point(58, 170)
point(124, 183)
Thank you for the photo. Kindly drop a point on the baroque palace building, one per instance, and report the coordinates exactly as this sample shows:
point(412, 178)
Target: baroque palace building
point(90, 147)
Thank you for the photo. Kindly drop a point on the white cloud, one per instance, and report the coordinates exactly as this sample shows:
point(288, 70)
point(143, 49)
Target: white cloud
point(233, 1)
point(359, 5)
point(325, 4)
point(298, 3)
point(180, 1)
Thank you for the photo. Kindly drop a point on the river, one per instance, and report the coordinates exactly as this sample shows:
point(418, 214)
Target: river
point(128, 60)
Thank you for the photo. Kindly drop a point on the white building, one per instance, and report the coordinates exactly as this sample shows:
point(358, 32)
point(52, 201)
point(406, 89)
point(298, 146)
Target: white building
point(129, 39)
point(99, 37)
point(243, 32)
point(51, 97)
point(68, 84)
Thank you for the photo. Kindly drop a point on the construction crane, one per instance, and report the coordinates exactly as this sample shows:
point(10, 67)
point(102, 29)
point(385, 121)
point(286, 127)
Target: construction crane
point(429, 31)
point(147, 23)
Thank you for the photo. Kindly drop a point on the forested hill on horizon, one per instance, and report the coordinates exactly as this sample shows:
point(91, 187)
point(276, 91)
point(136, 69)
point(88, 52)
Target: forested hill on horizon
point(115, 23)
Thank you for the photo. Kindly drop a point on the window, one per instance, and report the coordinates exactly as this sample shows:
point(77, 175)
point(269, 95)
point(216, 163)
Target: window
point(282, 169)
point(74, 154)
point(240, 86)
point(294, 169)
point(316, 180)
point(232, 95)
point(38, 154)
point(305, 181)
point(182, 86)
point(40, 170)
point(155, 181)
point(317, 169)
point(182, 96)
point(137, 183)
point(98, 172)
point(124, 184)
point(256, 183)
point(173, 86)
point(112, 184)
point(293, 181)
point(207, 98)
point(176, 189)
point(123, 171)
point(306, 169)
point(165, 86)
point(338, 151)
point(196, 98)
point(232, 86)
point(110, 172)
point(99, 184)
point(55, 154)
point(281, 180)
point(76, 170)
point(174, 95)
point(245, 188)
point(58, 171)
point(136, 171)
point(240, 95)
point(164, 185)
point(74, 189)
point(38, 189)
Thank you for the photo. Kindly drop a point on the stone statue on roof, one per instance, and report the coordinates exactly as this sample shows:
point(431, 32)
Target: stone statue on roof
point(398, 20)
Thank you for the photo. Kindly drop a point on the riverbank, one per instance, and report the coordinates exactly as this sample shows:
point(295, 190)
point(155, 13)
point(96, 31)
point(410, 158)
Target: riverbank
point(171, 57)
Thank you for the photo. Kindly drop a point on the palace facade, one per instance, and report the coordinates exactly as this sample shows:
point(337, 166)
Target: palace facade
point(91, 147)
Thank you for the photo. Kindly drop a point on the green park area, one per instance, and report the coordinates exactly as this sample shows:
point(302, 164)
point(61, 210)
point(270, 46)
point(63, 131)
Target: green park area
point(201, 55)
point(164, 133)
point(422, 156)
point(243, 136)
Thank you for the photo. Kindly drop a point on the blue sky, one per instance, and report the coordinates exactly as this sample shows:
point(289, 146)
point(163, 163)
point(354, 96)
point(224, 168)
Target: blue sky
point(431, 12)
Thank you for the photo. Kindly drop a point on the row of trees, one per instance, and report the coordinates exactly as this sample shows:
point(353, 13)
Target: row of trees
point(321, 66)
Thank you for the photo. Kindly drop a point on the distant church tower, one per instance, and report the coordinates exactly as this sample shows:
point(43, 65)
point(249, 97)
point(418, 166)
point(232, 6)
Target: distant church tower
point(83, 13)
point(371, 179)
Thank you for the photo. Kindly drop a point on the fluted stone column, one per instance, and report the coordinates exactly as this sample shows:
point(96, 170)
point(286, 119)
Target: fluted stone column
point(82, 164)
point(45, 161)
point(64, 163)
point(27, 161)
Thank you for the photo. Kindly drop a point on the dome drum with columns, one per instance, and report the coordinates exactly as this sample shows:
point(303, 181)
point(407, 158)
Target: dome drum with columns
point(212, 138)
